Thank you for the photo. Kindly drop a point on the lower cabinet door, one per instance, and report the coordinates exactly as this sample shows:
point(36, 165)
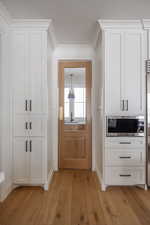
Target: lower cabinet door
point(36, 149)
point(21, 160)
point(124, 175)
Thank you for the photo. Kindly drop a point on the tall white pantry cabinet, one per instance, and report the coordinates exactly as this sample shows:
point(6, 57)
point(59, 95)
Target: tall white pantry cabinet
point(123, 56)
point(30, 110)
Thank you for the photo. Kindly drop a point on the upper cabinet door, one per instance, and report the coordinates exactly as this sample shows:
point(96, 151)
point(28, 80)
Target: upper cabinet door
point(134, 48)
point(37, 69)
point(20, 71)
point(113, 69)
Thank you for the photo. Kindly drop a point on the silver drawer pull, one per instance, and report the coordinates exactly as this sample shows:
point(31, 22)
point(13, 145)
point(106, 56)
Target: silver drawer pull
point(125, 175)
point(125, 157)
point(125, 143)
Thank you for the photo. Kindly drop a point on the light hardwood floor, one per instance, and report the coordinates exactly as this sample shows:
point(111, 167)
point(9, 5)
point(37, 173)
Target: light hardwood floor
point(75, 198)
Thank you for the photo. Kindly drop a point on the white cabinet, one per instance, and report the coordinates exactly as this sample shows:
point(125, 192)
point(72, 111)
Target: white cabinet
point(20, 160)
point(36, 160)
point(29, 68)
point(29, 63)
point(32, 126)
point(113, 91)
point(123, 51)
point(28, 161)
point(125, 55)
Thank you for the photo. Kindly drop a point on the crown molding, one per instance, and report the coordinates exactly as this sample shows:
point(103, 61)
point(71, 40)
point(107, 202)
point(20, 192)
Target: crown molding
point(5, 18)
point(4, 14)
point(42, 24)
point(120, 24)
point(146, 23)
point(52, 36)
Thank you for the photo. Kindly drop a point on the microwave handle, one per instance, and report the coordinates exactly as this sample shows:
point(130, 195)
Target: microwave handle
point(122, 105)
point(126, 105)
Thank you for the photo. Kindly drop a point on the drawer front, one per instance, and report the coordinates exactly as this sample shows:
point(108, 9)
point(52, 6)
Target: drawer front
point(124, 175)
point(21, 128)
point(125, 142)
point(36, 126)
point(124, 157)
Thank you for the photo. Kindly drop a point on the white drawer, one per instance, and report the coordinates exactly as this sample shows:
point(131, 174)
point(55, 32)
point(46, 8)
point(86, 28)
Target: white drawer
point(124, 175)
point(29, 126)
point(125, 142)
point(124, 157)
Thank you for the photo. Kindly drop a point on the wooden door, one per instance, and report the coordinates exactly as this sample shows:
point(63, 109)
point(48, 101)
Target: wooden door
point(75, 115)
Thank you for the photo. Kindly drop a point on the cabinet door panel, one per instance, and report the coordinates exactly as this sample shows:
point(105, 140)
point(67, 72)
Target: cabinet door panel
point(36, 126)
point(21, 126)
point(134, 71)
point(36, 160)
point(20, 71)
point(36, 71)
point(20, 161)
point(113, 73)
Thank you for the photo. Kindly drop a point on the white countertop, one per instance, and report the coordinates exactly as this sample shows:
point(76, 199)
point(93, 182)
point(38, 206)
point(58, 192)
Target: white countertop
point(2, 177)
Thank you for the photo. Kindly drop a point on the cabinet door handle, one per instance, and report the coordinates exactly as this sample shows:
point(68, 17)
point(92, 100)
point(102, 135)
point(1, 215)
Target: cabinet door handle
point(26, 105)
point(30, 125)
point(127, 105)
point(125, 157)
point(122, 105)
point(125, 143)
point(30, 105)
point(26, 125)
point(30, 146)
point(26, 146)
point(125, 175)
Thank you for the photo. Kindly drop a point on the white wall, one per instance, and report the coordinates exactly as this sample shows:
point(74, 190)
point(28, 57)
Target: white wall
point(70, 52)
point(5, 104)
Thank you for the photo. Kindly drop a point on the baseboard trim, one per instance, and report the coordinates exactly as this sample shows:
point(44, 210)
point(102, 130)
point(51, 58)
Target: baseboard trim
point(4, 194)
point(99, 175)
point(50, 176)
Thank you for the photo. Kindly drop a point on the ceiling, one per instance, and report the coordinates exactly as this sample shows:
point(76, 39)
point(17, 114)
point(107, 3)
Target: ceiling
point(75, 20)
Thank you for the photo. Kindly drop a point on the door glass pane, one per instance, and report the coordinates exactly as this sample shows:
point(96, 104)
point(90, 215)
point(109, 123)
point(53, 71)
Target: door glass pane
point(74, 96)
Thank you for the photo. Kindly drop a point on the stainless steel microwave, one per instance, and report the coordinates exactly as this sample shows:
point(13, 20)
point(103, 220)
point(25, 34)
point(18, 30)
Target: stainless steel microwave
point(124, 126)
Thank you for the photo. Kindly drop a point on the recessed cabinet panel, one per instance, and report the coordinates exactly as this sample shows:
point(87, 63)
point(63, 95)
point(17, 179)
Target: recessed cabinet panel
point(36, 71)
point(125, 72)
point(20, 69)
point(113, 73)
point(36, 160)
point(20, 160)
point(133, 71)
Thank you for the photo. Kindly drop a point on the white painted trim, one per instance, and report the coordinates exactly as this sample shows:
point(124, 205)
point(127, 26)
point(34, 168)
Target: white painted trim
point(42, 24)
point(52, 36)
point(4, 194)
point(146, 24)
point(49, 179)
point(120, 24)
point(4, 14)
point(99, 175)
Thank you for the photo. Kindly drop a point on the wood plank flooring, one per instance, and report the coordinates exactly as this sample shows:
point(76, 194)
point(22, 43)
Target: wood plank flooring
point(75, 198)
